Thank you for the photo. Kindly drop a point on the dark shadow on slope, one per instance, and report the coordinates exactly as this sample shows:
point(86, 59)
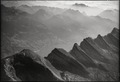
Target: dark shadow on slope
point(63, 61)
point(26, 69)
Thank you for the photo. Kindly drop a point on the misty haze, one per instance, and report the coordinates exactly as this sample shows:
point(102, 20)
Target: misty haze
point(60, 40)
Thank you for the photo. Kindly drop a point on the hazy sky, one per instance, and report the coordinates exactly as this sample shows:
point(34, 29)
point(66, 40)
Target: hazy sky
point(66, 4)
point(95, 7)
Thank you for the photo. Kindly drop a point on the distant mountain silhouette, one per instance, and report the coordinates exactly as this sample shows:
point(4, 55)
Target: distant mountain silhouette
point(110, 14)
point(80, 5)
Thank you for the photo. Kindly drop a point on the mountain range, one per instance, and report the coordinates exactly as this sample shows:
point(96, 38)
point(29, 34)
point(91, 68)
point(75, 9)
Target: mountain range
point(37, 44)
point(41, 27)
point(92, 60)
point(110, 14)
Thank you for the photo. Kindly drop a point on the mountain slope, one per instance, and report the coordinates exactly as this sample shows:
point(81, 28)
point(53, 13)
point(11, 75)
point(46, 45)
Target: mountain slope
point(90, 61)
point(62, 60)
point(95, 55)
point(26, 66)
point(81, 56)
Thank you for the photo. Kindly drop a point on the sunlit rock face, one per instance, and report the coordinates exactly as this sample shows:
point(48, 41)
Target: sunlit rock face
point(25, 66)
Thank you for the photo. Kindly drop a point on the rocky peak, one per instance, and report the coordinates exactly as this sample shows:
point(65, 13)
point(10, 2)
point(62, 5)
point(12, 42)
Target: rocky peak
point(81, 56)
point(75, 46)
point(60, 52)
point(112, 40)
point(64, 61)
point(22, 66)
point(115, 32)
point(101, 42)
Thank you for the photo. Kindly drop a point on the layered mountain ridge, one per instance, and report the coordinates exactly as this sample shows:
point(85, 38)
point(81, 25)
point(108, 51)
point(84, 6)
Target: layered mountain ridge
point(62, 61)
point(41, 29)
point(92, 53)
point(92, 60)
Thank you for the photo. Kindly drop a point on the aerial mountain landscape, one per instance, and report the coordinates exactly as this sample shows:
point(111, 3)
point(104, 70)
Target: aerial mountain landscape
point(89, 61)
point(59, 43)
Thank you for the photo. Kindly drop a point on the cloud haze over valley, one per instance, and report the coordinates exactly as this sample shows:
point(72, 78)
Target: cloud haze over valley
point(60, 40)
point(49, 24)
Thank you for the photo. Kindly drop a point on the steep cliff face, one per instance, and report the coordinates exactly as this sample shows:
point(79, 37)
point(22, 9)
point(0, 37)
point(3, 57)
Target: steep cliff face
point(26, 66)
point(98, 56)
point(101, 42)
point(115, 32)
point(105, 47)
point(112, 40)
point(92, 50)
point(81, 56)
point(62, 60)
point(84, 58)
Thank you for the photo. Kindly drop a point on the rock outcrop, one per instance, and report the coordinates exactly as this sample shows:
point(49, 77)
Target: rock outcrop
point(81, 56)
point(26, 66)
point(112, 40)
point(62, 60)
point(115, 32)
point(84, 58)
point(97, 56)
point(101, 42)
point(92, 50)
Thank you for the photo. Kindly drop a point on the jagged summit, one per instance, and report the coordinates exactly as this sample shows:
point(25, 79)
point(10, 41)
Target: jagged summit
point(81, 56)
point(101, 42)
point(115, 32)
point(61, 51)
point(112, 40)
point(99, 36)
point(60, 60)
point(115, 29)
point(76, 46)
point(93, 57)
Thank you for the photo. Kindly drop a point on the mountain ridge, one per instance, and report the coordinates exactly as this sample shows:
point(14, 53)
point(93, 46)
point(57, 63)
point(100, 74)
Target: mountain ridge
point(23, 33)
point(61, 65)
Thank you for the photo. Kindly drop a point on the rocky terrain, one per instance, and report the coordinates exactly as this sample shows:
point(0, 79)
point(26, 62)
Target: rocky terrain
point(92, 60)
